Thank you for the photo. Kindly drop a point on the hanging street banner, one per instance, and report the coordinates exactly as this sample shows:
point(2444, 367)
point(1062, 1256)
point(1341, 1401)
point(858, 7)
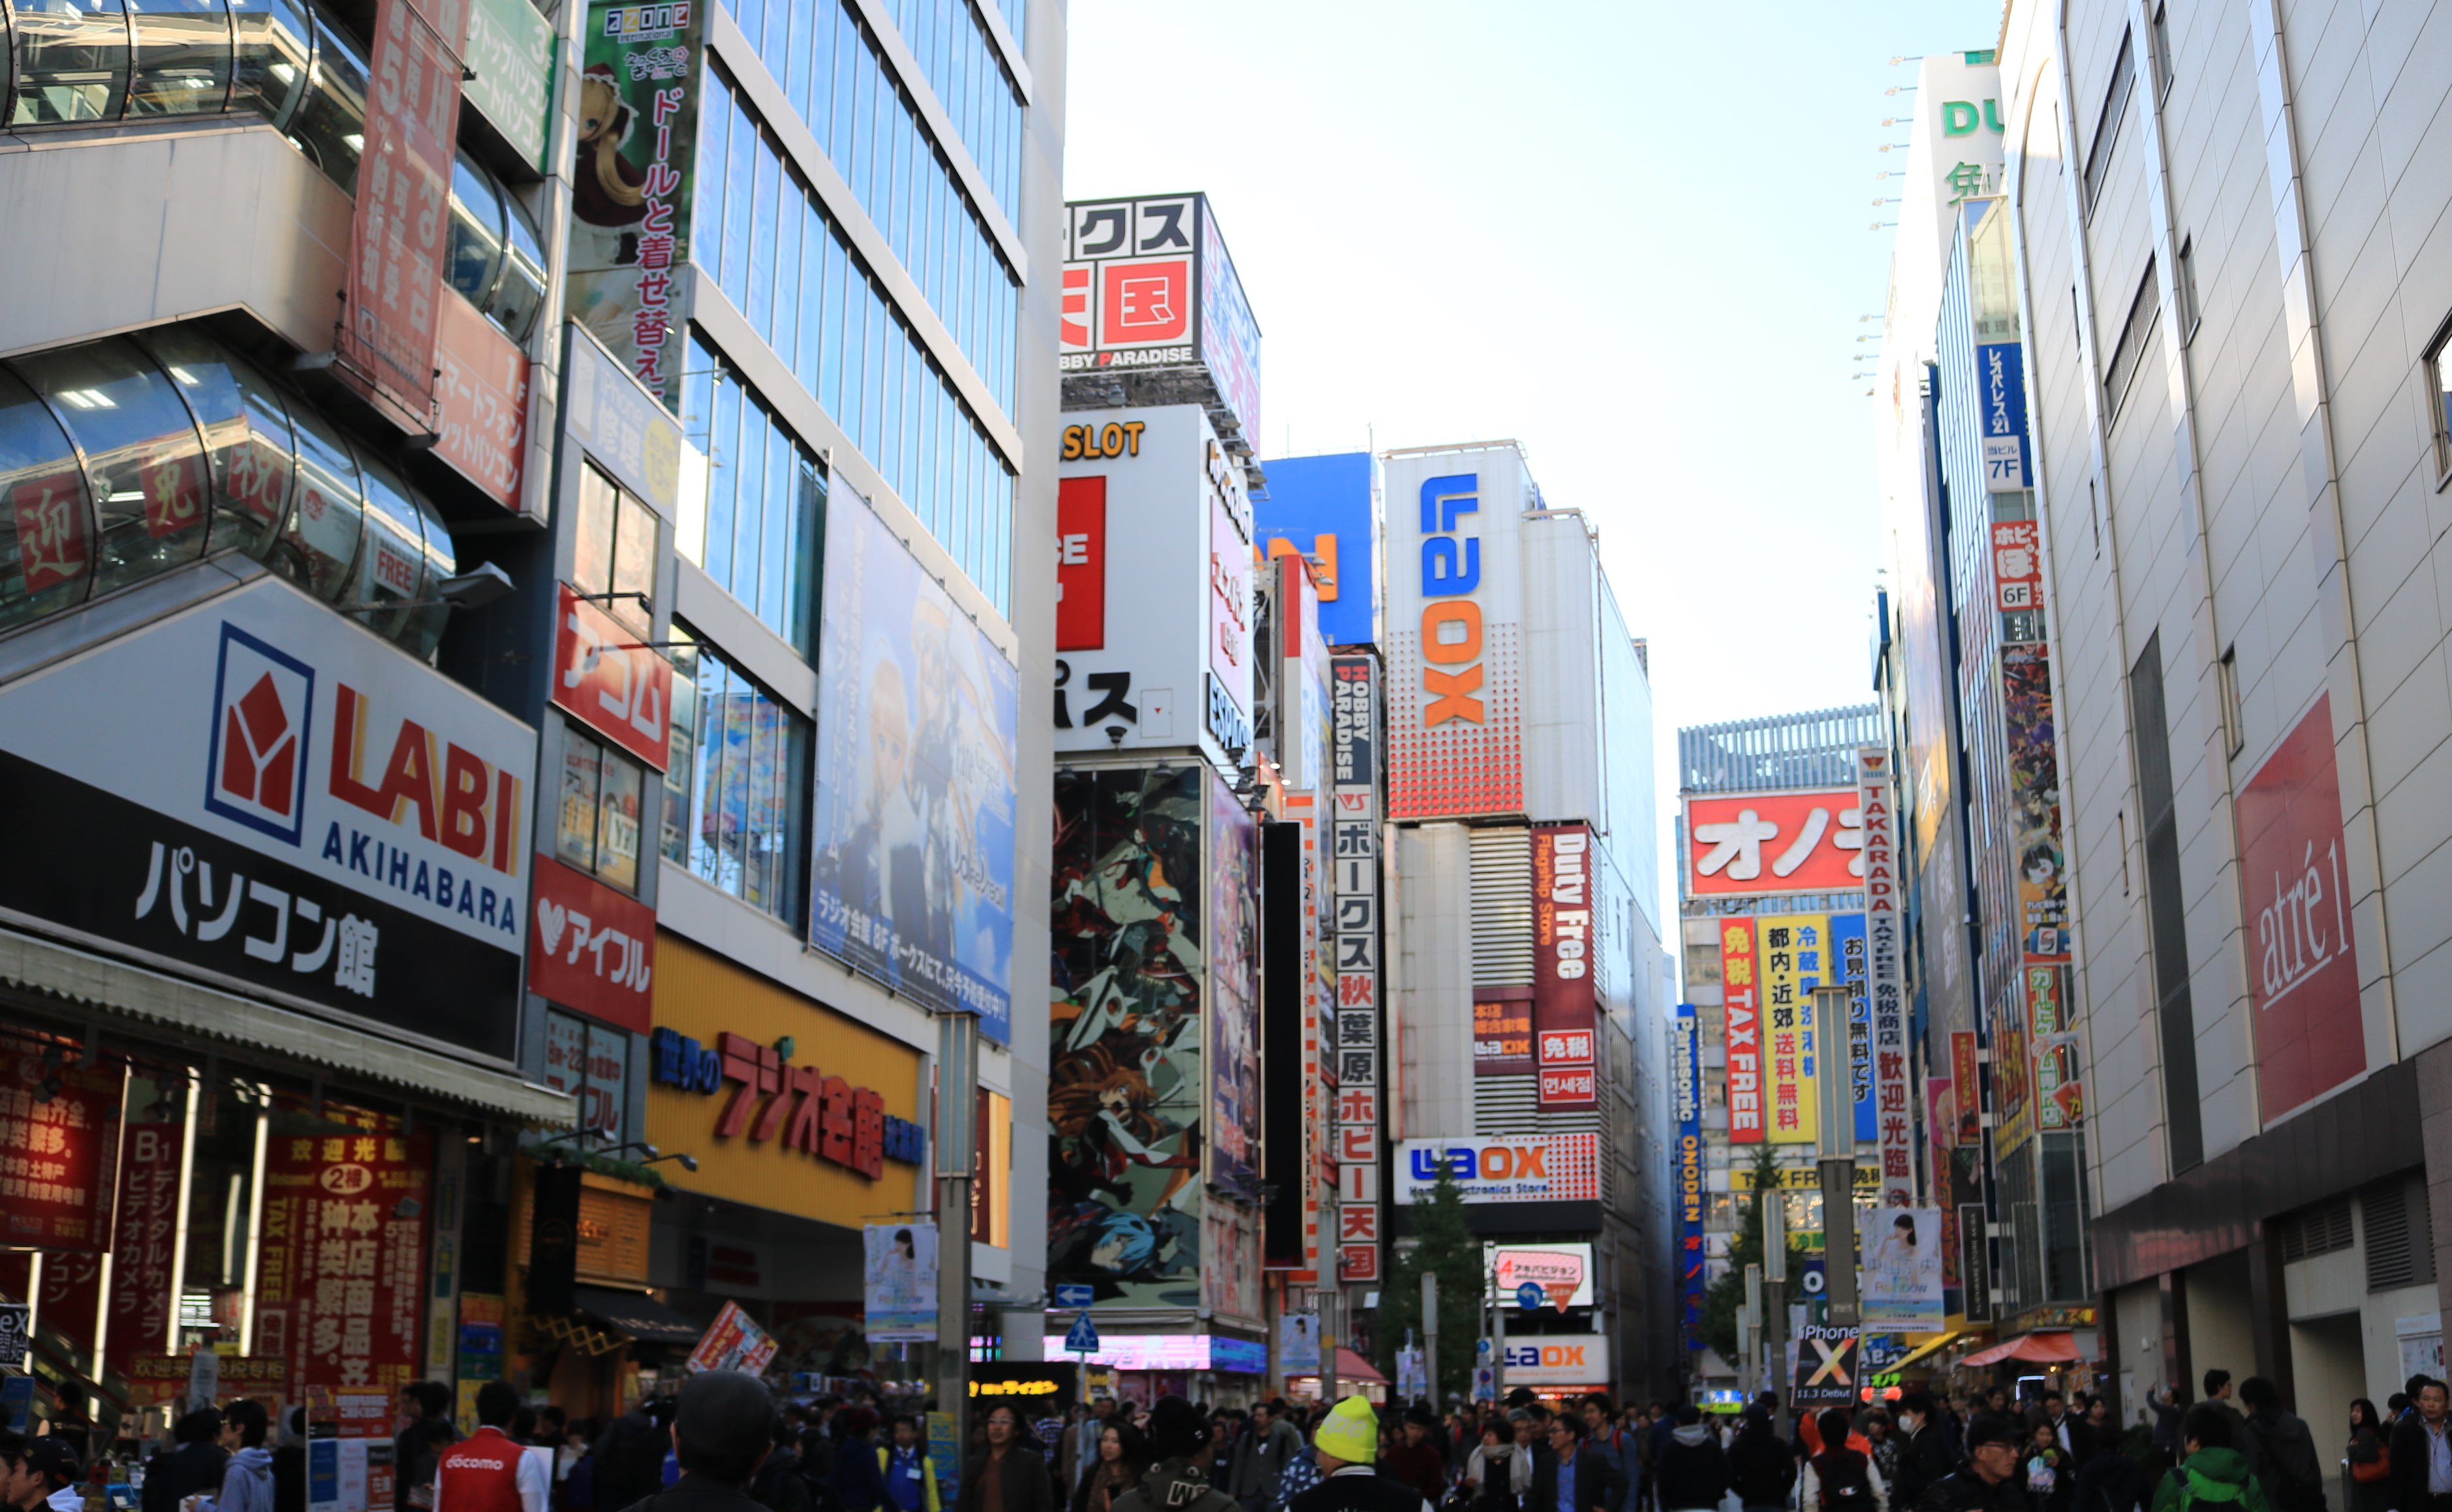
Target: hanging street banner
point(1886, 1008)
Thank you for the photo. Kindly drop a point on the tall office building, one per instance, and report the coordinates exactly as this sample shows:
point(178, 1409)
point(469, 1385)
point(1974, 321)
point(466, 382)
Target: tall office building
point(2234, 322)
point(1529, 991)
point(513, 601)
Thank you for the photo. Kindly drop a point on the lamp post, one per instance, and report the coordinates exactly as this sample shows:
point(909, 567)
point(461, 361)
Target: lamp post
point(1774, 1274)
point(958, 1134)
point(1835, 1099)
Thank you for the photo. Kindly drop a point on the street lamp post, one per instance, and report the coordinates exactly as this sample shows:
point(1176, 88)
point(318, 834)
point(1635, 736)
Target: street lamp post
point(1775, 1272)
point(1834, 1094)
point(957, 1080)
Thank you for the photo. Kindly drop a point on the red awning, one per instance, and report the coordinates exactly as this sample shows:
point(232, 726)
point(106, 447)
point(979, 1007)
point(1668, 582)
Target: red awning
point(2029, 1348)
point(1351, 1368)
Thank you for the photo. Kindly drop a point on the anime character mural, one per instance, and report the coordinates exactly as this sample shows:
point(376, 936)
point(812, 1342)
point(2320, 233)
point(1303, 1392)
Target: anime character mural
point(1125, 1088)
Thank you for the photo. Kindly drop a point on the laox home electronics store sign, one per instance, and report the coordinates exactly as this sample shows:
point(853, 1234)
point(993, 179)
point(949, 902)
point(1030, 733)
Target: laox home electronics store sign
point(258, 789)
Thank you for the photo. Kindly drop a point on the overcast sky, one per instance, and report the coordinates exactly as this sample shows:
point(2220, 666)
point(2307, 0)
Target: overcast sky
point(1634, 236)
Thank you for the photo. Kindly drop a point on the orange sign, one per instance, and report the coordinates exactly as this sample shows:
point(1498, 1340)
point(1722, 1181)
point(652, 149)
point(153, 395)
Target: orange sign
point(1743, 844)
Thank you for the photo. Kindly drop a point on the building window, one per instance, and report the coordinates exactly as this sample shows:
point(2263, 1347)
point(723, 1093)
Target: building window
point(736, 788)
point(2129, 353)
point(592, 1064)
point(613, 558)
point(598, 832)
point(2233, 718)
point(2186, 287)
point(2161, 43)
point(757, 527)
point(2107, 125)
point(2439, 386)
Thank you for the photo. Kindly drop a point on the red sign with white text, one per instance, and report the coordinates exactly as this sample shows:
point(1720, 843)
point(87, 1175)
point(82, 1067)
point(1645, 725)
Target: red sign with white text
point(58, 1154)
point(613, 684)
point(484, 389)
point(1742, 995)
point(591, 948)
point(142, 1292)
point(404, 210)
point(1081, 563)
point(340, 1280)
point(2017, 565)
point(2302, 964)
point(1751, 843)
point(1565, 1002)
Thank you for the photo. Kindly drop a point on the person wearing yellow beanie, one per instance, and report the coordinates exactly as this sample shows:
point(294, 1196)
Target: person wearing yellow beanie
point(1347, 1447)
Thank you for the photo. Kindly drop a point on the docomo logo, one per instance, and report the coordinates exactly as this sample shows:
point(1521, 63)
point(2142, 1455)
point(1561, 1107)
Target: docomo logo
point(1569, 926)
point(1450, 621)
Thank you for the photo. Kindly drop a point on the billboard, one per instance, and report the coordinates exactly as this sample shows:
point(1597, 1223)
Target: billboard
point(2303, 963)
point(1304, 722)
point(1125, 1084)
point(1502, 1032)
point(1149, 509)
point(1454, 638)
point(1564, 1272)
point(273, 794)
point(1685, 1094)
point(1353, 877)
point(1564, 1033)
point(343, 1314)
point(1558, 1359)
point(1770, 843)
point(899, 1281)
point(2035, 803)
point(1501, 1167)
point(403, 207)
point(1742, 993)
point(634, 177)
point(1796, 957)
point(1326, 510)
point(1900, 1290)
point(1233, 987)
point(912, 842)
point(1886, 1016)
point(1147, 285)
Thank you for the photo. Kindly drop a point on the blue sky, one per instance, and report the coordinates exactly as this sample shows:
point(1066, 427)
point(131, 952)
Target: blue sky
point(1633, 236)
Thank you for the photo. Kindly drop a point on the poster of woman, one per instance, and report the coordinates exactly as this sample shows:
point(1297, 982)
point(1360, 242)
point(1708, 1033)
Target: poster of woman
point(900, 1281)
point(1902, 1276)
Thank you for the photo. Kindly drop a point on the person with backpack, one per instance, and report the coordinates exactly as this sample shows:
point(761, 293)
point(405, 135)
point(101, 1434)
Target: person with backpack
point(1760, 1465)
point(1841, 1479)
point(1693, 1472)
point(2212, 1475)
point(2280, 1450)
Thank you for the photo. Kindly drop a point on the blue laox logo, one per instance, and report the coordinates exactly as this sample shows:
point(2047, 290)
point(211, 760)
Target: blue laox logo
point(1489, 1162)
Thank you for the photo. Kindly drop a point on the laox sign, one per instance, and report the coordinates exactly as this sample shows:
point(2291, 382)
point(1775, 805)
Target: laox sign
point(1451, 620)
point(1489, 1163)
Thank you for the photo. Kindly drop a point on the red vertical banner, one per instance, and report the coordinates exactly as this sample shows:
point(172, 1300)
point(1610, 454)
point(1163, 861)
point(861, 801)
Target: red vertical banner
point(1081, 563)
point(1967, 1089)
point(146, 1226)
point(1564, 1000)
point(2302, 964)
point(343, 1255)
point(1741, 996)
point(59, 1142)
point(404, 210)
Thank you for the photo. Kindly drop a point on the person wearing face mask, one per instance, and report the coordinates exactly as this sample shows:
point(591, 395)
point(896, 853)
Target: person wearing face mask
point(1923, 1455)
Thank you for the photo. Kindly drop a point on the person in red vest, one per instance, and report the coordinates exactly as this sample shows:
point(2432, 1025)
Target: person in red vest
point(489, 1471)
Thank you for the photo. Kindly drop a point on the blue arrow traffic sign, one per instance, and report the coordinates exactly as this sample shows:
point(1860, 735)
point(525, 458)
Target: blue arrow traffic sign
point(1083, 1338)
point(1528, 1296)
point(1074, 1298)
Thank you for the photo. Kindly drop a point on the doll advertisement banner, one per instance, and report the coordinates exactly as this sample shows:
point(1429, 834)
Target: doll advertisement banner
point(632, 182)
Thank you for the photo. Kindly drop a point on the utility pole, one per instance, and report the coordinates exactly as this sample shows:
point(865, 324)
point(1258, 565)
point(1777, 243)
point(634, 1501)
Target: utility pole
point(1774, 1224)
point(1497, 1332)
point(1749, 1333)
point(958, 1134)
point(1836, 1139)
point(1431, 1336)
point(1329, 1334)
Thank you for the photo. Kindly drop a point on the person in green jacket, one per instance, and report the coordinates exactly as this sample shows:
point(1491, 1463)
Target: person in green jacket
point(2212, 1475)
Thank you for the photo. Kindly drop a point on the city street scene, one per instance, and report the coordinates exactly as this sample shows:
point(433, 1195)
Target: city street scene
point(1157, 755)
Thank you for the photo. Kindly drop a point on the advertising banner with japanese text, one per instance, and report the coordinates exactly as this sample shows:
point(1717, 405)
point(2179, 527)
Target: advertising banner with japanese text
point(616, 686)
point(275, 794)
point(1564, 1002)
point(1847, 952)
point(633, 182)
point(733, 1342)
point(1686, 1096)
point(481, 398)
point(1796, 957)
point(1770, 843)
point(1154, 586)
point(1502, 1032)
point(59, 1150)
point(1742, 993)
point(2303, 957)
point(1148, 284)
point(593, 948)
point(510, 51)
point(341, 1267)
point(1885, 980)
point(145, 1231)
point(1126, 1089)
point(911, 840)
point(403, 211)
point(1351, 778)
point(1454, 633)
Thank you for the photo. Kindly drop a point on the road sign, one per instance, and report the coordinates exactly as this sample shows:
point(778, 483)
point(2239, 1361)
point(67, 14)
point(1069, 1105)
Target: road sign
point(1083, 1338)
point(1528, 1296)
point(1485, 1384)
point(1817, 1280)
point(1074, 1298)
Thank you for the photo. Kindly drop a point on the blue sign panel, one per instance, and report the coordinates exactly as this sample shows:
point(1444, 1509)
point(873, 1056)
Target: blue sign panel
point(1321, 508)
point(2001, 391)
point(1083, 1337)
